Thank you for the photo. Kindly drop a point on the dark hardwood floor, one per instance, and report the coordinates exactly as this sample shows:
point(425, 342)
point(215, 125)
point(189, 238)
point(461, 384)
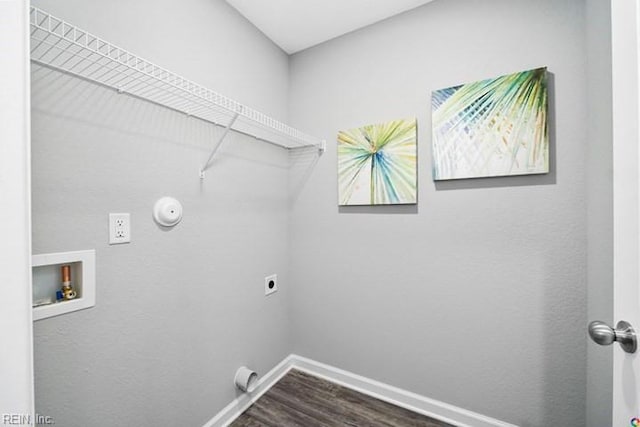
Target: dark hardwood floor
point(300, 399)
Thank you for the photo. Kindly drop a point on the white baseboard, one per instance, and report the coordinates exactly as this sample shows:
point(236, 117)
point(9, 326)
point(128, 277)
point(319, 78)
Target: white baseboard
point(242, 402)
point(396, 396)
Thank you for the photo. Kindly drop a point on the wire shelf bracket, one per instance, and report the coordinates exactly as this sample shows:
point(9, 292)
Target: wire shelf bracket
point(207, 164)
point(61, 46)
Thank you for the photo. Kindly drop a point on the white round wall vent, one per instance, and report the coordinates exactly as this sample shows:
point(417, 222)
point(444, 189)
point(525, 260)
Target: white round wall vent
point(167, 212)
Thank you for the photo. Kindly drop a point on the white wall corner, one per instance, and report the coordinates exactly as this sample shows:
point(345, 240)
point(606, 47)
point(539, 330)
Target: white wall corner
point(16, 363)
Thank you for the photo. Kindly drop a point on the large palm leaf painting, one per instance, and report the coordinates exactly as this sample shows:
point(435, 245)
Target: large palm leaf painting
point(377, 164)
point(493, 127)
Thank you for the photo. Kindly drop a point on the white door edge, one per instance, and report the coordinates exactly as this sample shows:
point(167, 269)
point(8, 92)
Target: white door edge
point(626, 200)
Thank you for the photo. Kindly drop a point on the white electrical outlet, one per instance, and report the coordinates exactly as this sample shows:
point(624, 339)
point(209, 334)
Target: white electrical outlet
point(119, 228)
point(271, 284)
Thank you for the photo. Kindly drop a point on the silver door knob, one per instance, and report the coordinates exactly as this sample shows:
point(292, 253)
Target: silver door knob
point(623, 334)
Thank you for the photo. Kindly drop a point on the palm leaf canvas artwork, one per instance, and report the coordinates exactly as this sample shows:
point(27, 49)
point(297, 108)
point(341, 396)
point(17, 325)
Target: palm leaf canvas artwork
point(377, 164)
point(493, 127)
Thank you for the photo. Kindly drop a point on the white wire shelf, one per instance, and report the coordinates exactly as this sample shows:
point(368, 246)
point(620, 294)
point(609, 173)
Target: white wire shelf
point(58, 45)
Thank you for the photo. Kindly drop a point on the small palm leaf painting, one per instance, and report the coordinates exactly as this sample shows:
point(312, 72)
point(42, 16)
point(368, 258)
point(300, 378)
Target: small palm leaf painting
point(493, 127)
point(377, 164)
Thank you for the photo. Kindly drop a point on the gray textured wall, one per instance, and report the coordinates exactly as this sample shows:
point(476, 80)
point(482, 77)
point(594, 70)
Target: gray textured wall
point(177, 312)
point(477, 296)
point(599, 207)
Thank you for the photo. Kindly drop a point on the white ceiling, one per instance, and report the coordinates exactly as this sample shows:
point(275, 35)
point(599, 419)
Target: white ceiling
point(295, 25)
